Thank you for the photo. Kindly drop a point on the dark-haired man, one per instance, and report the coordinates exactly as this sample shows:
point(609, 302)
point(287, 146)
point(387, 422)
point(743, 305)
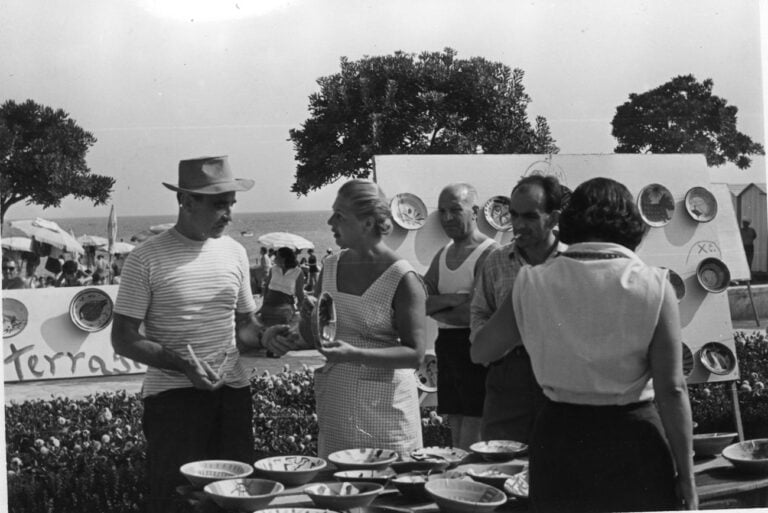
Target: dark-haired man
point(512, 396)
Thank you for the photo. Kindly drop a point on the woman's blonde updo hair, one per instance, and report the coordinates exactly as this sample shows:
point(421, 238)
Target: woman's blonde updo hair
point(367, 199)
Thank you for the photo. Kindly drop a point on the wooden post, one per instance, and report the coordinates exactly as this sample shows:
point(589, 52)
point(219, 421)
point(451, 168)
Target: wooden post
point(752, 302)
point(737, 411)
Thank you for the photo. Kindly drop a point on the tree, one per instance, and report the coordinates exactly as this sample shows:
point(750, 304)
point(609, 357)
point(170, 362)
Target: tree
point(683, 116)
point(42, 158)
point(401, 103)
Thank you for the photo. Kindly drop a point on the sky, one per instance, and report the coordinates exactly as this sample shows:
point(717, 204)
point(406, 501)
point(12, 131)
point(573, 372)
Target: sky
point(160, 81)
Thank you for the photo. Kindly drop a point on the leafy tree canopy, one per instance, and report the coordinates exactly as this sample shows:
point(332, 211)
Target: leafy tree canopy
point(407, 104)
point(42, 158)
point(683, 116)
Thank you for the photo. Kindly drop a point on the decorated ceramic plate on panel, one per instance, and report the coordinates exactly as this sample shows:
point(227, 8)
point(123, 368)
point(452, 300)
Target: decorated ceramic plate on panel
point(713, 274)
point(496, 212)
point(717, 358)
point(687, 360)
point(91, 309)
point(408, 211)
point(700, 204)
point(324, 319)
point(426, 374)
point(15, 316)
point(656, 205)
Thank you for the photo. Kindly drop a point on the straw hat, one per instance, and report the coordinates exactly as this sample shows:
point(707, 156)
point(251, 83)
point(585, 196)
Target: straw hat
point(208, 175)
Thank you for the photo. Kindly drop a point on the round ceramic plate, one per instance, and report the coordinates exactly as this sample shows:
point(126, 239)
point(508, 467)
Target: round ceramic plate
point(700, 204)
point(717, 358)
point(713, 274)
point(324, 318)
point(426, 374)
point(408, 211)
point(517, 485)
point(15, 316)
point(498, 449)
point(687, 360)
point(496, 212)
point(453, 455)
point(677, 284)
point(656, 204)
point(91, 309)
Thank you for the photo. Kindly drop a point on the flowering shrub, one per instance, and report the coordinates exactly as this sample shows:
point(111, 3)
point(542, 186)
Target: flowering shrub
point(87, 455)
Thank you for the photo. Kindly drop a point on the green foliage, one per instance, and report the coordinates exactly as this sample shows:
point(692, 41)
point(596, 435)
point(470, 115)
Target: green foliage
point(683, 116)
point(407, 104)
point(42, 158)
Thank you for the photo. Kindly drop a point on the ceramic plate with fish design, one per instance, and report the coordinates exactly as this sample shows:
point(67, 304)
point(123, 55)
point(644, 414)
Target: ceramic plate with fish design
point(15, 317)
point(408, 211)
point(700, 204)
point(496, 212)
point(91, 309)
point(656, 205)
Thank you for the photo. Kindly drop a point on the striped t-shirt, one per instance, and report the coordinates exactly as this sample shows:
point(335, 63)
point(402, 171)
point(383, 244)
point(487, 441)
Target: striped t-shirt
point(187, 292)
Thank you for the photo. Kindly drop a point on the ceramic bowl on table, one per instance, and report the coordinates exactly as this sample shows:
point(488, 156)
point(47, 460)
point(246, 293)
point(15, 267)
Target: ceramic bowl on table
point(200, 473)
point(517, 485)
point(381, 477)
point(412, 484)
point(711, 444)
point(460, 496)
point(495, 475)
point(498, 450)
point(425, 466)
point(341, 496)
point(244, 494)
point(352, 459)
point(452, 455)
point(290, 470)
point(749, 456)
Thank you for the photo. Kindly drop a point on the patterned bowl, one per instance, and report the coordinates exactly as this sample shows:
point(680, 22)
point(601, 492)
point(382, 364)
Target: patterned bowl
point(495, 475)
point(351, 459)
point(341, 496)
point(460, 496)
point(290, 470)
point(243, 494)
point(749, 456)
point(711, 444)
point(498, 450)
point(412, 484)
point(365, 475)
point(200, 473)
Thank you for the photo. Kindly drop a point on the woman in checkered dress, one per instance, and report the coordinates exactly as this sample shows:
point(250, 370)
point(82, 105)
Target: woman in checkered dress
point(366, 393)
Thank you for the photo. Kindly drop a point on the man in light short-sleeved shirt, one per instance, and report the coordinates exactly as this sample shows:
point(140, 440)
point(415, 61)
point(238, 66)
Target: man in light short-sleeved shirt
point(190, 289)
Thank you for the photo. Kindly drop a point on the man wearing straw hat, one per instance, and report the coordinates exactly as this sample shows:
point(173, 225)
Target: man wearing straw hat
point(190, 288)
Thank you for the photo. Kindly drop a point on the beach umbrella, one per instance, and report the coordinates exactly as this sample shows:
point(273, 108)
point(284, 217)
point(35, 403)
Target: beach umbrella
point(48, 232)
point(17, 244)
point(111, 229)
point(121, 248)
point(285, 239)
point(92, 240)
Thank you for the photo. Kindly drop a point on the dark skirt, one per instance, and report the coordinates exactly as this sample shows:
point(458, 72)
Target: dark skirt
point(600, 458)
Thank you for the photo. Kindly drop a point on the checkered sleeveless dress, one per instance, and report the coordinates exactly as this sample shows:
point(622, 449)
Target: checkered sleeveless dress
point(357, 405)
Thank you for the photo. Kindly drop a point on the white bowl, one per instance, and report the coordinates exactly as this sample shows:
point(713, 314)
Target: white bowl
point(495, 475)
point(340, 496)
point(200, 473)
point(350, 459)
point(460, 496)
point(498, 449)
point(453, 455)
point(711, 444)
point(749, 456)
point(365, 475)
point(412, 484)
point(290, 470)
point(243, 494)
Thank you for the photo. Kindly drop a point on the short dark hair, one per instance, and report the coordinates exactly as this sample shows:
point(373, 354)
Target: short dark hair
point(553, 191)
point(602, 209)
point(288, 256)
point(69, 267)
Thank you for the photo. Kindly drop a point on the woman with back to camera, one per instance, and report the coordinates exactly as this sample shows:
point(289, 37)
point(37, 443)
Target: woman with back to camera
point(366, 393)
point(603, 332)
point(283, 288)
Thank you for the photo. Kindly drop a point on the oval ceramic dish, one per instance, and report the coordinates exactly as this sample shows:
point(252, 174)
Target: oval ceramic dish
point(15, 317)
point(365, 475)
point(453, 455)
point(495, 475)
point(711, 444)
point(426, 374)
point(350, 459)
point(498, 449)
point(290, 470)
point(749, 456)
point(717, 358)
point(687, 360)
point(496, 212)
point(700, 204)
point(656, 205)
point(408, 211)
point(343, 496)
point(713, 275)
point(324, 319)
point(91, 309)
point(517, 485)
point(243, 494)
point(459, 496)
point(200, 473)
